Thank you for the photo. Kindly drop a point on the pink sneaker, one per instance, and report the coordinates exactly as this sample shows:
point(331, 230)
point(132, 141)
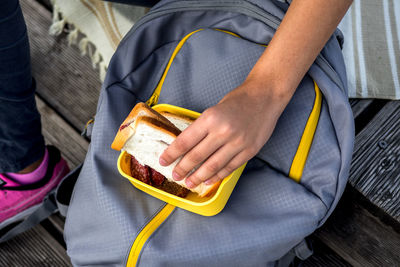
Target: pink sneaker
point(18, 201)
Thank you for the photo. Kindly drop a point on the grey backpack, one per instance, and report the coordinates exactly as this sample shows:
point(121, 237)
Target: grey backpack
point(194, 52)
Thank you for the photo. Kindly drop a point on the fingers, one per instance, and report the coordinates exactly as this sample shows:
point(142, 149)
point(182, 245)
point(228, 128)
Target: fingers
point(218, 166)
point(219, 141)
point(183, 143)
point(229, 168)
point(197, 155)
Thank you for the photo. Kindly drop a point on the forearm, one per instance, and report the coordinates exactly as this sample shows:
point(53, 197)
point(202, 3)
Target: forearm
point(305, 29)
point(224, 137)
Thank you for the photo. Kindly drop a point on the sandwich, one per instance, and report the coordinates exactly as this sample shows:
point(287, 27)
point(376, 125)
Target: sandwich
point(144, 135)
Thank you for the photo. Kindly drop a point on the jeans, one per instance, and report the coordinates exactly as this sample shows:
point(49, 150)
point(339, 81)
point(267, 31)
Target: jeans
point(21, 140)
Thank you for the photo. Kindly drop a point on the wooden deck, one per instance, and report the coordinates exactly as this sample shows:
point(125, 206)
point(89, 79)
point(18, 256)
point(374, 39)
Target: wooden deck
point(364, 230)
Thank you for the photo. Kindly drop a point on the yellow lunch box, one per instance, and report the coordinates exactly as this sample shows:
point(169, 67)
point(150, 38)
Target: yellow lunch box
point(206, 206)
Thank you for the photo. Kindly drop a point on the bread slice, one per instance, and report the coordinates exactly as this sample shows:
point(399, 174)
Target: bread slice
point(179, 121)
point(126, 129)
point(149, 141)
point(146, 134)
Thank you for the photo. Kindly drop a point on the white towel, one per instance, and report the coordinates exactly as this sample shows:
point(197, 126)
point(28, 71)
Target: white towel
point(371, 48)
point(102, 24)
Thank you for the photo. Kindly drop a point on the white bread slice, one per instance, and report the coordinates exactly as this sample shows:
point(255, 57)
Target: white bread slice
point(147, 136)
point(126, 129)
point(179, 121)
point(148, 142)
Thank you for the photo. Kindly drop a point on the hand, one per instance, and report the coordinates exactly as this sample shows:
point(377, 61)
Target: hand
point(233, 131)
point(226, 135)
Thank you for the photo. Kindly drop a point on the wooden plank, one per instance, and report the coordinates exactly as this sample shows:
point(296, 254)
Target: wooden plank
point(375, 169)
point(45, 3)
point(33, 248)
point(58, 221)
point(37, 247)
point(64, 78)
point(358, 236)
point(353, 232)
point(59, 133)
point(73, 147)
point(72, 93)
point(58, 70)
point(324, 256)
point(54, 68)
point(71, 144)
point(358, 231)
point(359, 105)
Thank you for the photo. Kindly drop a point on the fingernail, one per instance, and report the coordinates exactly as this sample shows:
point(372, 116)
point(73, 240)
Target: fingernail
point(189, 183)
point(176, 176)
point(162, 162)
point(208, 182)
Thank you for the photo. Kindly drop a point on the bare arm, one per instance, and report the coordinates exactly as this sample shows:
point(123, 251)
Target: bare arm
point(302, 34)
point(223, 136)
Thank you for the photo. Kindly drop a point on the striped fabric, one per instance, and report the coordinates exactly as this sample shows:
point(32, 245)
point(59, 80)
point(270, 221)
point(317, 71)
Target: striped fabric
point(372, 53)
point(97, 26)
point(371, 29)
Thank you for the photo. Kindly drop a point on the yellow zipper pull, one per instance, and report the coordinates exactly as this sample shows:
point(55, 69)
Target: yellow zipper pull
point(153, 100)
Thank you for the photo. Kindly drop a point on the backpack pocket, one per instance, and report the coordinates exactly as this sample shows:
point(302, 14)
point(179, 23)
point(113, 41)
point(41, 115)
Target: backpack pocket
point(209, 63)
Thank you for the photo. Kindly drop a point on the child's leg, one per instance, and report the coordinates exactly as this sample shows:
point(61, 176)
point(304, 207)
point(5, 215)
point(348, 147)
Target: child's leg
point(21, 141)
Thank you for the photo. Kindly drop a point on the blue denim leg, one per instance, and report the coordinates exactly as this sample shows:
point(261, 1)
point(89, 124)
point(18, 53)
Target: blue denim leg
point(21, 141)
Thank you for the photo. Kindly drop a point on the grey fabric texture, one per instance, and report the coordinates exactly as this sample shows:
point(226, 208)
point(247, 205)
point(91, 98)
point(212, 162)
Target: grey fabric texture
point(268, 214)
point(211, 64)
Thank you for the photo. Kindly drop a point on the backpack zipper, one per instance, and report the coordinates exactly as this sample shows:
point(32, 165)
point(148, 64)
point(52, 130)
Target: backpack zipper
point(301, 155)
point(295, 172)
point(146, 232)
point(154, 97)
point(153, 100)
point(300, 158)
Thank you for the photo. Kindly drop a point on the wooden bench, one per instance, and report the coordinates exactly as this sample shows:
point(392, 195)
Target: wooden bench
point(364, 230)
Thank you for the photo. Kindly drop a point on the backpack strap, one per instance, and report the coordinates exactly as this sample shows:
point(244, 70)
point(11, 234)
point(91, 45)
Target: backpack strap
point(64, 190)
point(301, 251)
point(45, 209)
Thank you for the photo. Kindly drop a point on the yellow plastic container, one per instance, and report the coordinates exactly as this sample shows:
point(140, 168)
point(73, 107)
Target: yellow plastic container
point(206, 206)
